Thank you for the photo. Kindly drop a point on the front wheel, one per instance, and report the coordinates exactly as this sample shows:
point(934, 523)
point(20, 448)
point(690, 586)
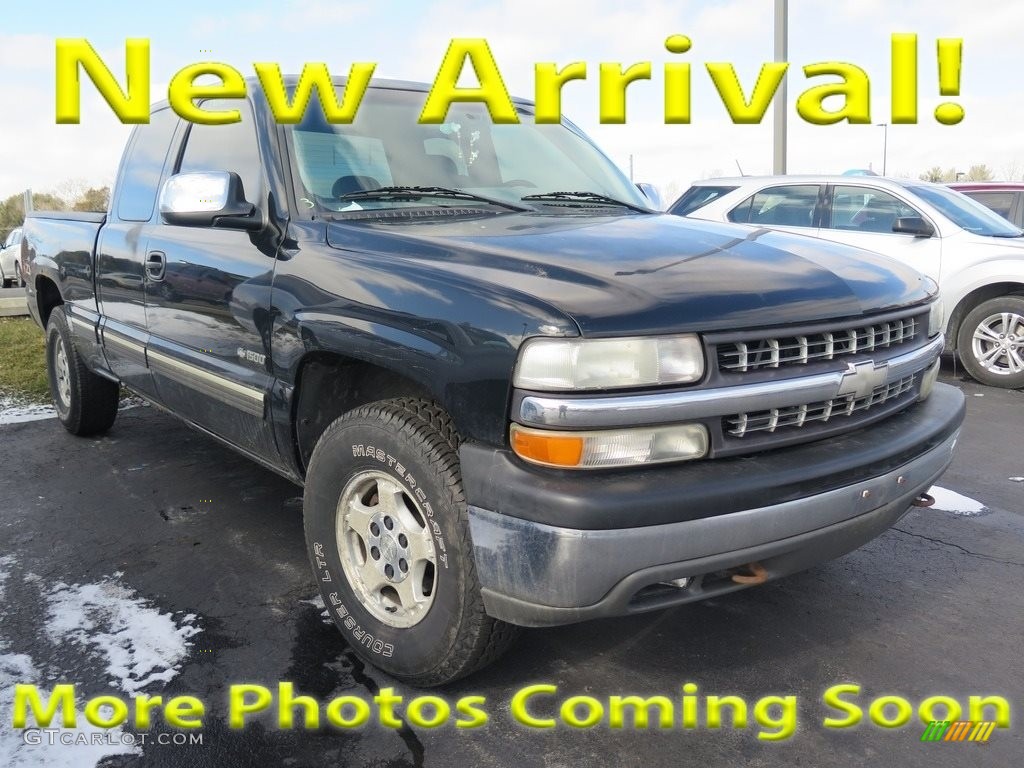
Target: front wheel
point(990, 342)
point(86, 403)
point(388, 537)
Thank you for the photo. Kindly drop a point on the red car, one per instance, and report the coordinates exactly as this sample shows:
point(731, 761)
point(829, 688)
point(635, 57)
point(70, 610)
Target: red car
point(1004, 197)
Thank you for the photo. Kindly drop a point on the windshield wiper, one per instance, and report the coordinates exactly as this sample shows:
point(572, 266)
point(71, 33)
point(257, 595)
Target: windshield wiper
point(592, 197)
point(417, 193)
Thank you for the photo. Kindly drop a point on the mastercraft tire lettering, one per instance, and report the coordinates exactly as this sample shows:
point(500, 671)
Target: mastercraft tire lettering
point(388, 539)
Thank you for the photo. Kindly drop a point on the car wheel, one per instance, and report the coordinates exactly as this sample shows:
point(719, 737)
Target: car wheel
point(5, 280)
point(990, 342)
point(388, 537)
point(86, 403)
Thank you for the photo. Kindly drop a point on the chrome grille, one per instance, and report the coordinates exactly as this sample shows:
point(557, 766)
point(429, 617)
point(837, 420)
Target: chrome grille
point(757, 354)
point(796, 416)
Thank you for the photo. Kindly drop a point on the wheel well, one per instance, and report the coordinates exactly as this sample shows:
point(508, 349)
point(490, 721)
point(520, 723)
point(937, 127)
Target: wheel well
point(47, 297)
point(973, 299)
point(329, 386)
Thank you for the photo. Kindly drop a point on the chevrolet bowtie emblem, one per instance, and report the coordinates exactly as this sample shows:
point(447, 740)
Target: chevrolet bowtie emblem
point(861, 379)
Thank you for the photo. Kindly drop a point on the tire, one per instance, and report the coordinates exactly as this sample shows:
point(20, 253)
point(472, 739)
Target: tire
point(425, 622)
point(86, 403)
point(990, 342)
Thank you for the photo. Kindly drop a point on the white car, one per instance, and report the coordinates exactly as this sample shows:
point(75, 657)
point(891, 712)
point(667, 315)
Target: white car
point(975, 255)
point(10, 260)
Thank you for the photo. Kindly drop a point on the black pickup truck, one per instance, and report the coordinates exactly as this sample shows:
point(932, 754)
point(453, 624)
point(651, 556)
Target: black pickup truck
point(514, 394)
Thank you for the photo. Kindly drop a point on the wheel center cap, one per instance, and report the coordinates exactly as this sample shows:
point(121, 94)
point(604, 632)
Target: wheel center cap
point(388, 548)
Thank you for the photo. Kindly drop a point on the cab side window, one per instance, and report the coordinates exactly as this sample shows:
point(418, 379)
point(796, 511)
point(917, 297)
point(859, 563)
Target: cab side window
point(788, 206)
point(144, 165)
point(862, 209)
point(230, 147)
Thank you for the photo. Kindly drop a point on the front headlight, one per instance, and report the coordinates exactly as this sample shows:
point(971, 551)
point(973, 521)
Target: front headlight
point(935, 317)
point(579, 364)
point(611, 447)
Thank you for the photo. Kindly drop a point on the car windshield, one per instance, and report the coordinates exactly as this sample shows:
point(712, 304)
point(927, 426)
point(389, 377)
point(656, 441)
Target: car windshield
point(696, 198)
point(386, 146)
point(966, 213)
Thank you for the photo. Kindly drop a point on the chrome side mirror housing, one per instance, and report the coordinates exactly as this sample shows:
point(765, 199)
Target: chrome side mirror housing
point(207, 199)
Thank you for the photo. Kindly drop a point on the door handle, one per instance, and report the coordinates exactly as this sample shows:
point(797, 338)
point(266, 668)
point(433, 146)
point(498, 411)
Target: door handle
point(156, 265)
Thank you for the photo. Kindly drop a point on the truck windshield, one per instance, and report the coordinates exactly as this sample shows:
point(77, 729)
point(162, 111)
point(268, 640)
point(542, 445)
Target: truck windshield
point(966, 213)
point(385, 146)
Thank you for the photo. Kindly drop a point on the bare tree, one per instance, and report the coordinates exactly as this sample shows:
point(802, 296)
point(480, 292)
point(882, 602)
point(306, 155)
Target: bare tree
point(93, 199)
point(70, 189)
point(979, 173)
point(1012, 171)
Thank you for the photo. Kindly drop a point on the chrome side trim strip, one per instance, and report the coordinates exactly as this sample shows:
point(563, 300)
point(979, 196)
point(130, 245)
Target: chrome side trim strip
point(81, 324)
point(112, 337)
point(231, 393)
point(669, 407)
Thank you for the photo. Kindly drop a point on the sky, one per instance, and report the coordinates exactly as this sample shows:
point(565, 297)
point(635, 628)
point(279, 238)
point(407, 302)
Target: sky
point(407, 40)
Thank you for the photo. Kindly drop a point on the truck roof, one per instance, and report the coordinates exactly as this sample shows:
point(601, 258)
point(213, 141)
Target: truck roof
point(253, 85)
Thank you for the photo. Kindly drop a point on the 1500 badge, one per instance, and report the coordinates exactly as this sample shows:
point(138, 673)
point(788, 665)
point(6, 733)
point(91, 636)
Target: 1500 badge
point(253, 357)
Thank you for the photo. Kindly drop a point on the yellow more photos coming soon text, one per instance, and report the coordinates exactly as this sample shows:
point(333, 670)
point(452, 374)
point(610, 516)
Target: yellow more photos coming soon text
point(848, 83)
point(539, 706)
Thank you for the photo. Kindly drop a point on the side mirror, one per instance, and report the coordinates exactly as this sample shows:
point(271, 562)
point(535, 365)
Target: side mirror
point(913, 225)
point(214, 199)
point(652, 194)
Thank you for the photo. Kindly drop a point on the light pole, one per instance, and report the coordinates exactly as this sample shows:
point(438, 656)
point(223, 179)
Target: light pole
point(885, 143)
point(781, 54)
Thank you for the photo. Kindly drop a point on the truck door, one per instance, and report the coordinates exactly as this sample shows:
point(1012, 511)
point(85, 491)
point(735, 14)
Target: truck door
point(208, 297)
point(121, 249)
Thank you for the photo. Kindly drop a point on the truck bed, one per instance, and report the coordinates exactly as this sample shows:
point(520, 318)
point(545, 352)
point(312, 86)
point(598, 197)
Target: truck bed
point(61, 246)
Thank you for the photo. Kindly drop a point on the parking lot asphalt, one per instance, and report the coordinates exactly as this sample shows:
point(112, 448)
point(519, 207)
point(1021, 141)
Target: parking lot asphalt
point(164, 515)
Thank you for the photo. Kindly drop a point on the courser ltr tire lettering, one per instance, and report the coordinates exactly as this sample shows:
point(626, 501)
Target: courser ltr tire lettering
point(412, 444)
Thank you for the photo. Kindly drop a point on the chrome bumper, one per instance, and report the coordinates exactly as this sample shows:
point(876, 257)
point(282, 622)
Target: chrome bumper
point(537, 575)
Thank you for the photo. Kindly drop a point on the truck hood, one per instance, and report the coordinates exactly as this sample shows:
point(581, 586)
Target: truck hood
point(645, 274)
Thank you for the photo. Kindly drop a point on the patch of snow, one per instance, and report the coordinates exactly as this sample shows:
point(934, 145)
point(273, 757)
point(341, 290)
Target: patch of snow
point(318, 603)
point(18, 668)
point(14, 410)
point(5, 563)
point(951, 501)
point(1016, 479)
point(139, 644)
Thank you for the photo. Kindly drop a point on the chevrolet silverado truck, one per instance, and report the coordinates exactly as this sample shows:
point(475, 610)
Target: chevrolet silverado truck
point(514, 394)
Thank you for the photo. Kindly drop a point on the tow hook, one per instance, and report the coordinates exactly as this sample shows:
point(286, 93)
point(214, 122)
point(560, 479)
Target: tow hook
point(757, 575)
point(923, 500)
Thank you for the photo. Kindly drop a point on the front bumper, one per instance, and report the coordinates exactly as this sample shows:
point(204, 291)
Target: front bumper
point(536, 570)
